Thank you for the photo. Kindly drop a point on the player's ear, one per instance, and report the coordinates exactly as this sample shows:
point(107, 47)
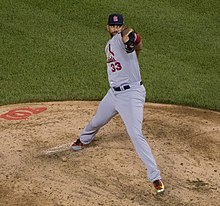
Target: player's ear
point(107, 27)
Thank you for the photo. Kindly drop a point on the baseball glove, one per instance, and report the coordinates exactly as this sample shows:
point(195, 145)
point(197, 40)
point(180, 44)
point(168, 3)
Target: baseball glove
point(128, 37)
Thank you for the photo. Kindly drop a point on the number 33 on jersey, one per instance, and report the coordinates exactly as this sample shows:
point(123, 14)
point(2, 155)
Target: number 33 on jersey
point(115, 65)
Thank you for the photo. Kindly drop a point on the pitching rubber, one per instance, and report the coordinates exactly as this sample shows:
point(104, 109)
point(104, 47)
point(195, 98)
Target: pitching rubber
point(57, 149)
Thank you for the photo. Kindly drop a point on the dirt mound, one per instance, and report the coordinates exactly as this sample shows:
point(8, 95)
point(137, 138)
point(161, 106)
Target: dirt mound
point(185, 142)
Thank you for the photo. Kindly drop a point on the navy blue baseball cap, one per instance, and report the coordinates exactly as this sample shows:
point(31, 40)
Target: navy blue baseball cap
point(115, 19)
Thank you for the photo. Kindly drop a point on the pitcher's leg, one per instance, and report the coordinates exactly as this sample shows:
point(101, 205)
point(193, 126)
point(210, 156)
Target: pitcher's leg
point(132, 115)
point(106, 110)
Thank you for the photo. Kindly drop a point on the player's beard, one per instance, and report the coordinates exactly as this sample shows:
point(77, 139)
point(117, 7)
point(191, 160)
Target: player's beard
point(113, 34)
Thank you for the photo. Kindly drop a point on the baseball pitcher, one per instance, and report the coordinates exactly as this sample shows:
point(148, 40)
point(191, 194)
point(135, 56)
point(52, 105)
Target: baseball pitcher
point(126, 95)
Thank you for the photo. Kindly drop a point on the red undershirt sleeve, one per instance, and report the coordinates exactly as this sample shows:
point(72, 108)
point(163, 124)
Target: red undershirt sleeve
point(138, 39)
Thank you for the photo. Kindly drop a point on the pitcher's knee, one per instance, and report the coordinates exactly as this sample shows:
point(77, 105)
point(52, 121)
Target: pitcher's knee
point(96, 124)
point(135, 135)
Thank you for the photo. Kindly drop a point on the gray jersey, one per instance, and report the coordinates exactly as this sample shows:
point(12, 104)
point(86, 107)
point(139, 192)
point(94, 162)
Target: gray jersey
point(123, 67)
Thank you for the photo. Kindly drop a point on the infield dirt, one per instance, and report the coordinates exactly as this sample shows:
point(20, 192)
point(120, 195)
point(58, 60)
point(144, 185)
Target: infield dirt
point(185, 142)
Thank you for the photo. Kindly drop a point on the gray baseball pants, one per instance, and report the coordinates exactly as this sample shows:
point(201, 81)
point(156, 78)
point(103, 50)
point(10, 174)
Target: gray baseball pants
point(129, 104)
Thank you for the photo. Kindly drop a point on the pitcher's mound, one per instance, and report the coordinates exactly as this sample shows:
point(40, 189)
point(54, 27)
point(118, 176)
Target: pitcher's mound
point(38, 168)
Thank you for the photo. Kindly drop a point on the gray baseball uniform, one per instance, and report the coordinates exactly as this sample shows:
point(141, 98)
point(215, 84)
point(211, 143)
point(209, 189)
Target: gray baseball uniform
point(125, 97)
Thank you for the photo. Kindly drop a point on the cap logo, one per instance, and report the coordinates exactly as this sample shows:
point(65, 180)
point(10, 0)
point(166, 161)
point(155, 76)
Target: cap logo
point(115, 18)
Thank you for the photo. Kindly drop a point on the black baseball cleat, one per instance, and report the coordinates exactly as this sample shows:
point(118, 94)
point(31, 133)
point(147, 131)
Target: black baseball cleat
point(159, 186)
point(77, 145)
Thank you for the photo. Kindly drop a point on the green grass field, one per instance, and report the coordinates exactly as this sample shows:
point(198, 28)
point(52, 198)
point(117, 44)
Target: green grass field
point(54, 50)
